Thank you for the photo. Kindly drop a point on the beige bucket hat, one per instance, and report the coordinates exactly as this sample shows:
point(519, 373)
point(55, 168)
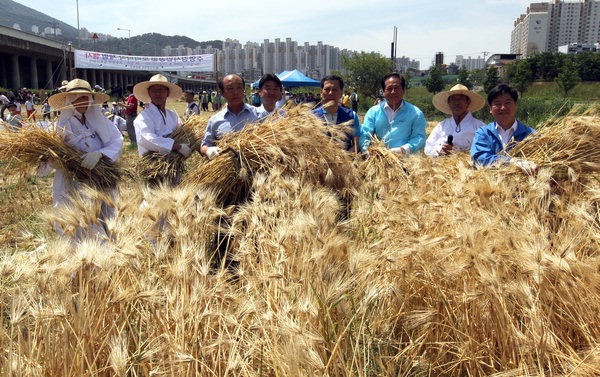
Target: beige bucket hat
point(440, 100)
point(140, 90)
point(76, 86)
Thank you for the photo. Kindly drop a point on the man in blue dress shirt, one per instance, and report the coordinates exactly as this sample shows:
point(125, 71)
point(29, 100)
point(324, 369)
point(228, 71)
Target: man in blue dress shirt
point(232, 118)
point(492, 140)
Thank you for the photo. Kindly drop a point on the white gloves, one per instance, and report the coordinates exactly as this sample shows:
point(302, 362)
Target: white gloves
point(398, 150)
point(185, 150)
point(528, 167)
point(90, 159)
point(212, 152)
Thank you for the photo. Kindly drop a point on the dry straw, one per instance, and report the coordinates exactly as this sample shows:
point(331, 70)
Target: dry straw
point(446, 271)
point(33, 144)
point(155, 168)
point(294, 139)
point(567, 144)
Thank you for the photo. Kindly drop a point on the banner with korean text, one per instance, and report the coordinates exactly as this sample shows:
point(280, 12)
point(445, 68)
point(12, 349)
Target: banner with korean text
point(102, 60)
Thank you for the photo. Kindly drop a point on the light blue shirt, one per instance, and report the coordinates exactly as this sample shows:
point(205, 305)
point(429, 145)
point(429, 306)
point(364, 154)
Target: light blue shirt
point(225, 122)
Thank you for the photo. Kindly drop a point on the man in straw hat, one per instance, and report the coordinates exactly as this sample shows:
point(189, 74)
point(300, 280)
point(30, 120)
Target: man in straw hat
point(83, 125)
point(399, 124)
point(455, 133)
point(233, 118)
point(156, 122)
point(490, 141)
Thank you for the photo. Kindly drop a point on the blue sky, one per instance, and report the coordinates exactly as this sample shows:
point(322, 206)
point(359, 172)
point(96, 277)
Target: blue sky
point(462, 27)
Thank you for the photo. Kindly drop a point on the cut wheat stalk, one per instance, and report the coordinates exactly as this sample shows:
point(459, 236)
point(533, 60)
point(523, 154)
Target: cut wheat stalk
point(33, 145)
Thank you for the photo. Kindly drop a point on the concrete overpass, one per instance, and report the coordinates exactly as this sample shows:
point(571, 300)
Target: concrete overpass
point(30, 61)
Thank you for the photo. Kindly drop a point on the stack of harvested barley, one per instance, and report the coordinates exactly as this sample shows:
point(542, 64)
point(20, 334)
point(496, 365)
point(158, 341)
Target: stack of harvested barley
point(567, 144)
point(33, 144)
point(293, 139)
point(447, 271)
point(154, 167)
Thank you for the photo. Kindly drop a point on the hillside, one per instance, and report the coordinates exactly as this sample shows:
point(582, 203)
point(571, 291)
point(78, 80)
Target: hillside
point(146, 44)
point(26, 17)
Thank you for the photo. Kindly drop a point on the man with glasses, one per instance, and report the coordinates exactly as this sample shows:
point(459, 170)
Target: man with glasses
point(399, 124)
point(490, 141)
point(233, 118)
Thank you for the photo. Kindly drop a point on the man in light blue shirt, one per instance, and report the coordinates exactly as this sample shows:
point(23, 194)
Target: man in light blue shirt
point(232, 118)
point(399, 124)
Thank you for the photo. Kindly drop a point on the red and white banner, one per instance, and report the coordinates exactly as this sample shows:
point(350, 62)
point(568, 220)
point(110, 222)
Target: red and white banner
point(102, 60)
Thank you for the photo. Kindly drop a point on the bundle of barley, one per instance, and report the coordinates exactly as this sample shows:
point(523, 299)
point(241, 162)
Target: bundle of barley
point(568, 144)
point(33, 144)
point(293, 139)
point(154, 167)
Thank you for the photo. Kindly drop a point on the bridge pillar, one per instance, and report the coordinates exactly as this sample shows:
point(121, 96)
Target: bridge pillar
point(49, 76)
point(16, 73)
point(3, 73)
point(34, 73)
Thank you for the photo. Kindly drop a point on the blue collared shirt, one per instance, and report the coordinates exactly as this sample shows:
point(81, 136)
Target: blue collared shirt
point(225, 122)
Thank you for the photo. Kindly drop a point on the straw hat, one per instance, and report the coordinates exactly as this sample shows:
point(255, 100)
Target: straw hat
point(77, 86)
point(140, 90)
point(109, 115)
point(440, 100)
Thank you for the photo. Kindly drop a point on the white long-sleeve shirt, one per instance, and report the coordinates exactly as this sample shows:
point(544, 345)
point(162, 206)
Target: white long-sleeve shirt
point(151, 127)
point(84, 138)
point(463, 134)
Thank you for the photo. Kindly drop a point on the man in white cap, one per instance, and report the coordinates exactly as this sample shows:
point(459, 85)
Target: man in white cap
point(455, 133)
point(232, 118)
point(83, 125)
point(156, 122)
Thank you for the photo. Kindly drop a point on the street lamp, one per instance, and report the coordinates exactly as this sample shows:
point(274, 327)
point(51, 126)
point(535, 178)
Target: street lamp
point(129, 38)
point(78, 31)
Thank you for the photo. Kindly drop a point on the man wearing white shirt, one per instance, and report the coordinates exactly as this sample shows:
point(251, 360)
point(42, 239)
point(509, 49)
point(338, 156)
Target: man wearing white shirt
point(4, 102)
point(155, 123)
point(192, 107)
point(455, 133)
point(270, 91)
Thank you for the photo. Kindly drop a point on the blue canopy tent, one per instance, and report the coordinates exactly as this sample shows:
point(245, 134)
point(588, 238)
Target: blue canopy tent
point(293, 79)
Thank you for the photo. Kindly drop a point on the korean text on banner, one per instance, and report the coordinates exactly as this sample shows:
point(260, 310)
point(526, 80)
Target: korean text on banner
point(102, 60)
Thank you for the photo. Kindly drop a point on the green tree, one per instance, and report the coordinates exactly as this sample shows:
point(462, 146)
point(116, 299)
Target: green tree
point(588, 64)
point(492, 79)
point(522, 76)
point(365, 70)
point(568, 76)
point(463, 77)
point(478, 76)
point(407, 77)
point(434, 83)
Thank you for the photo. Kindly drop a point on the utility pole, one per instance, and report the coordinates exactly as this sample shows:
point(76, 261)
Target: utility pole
point(394, 47)
point(485, 54)
point(78, 31)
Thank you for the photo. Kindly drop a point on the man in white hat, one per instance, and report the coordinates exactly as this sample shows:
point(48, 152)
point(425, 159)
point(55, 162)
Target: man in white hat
point(455, 133)
point(83, 125)
point(156, 122)
point(232, 118)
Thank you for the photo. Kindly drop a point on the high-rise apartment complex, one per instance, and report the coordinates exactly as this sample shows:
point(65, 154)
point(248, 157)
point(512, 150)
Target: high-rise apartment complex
point(253, 59)
point(546, 26)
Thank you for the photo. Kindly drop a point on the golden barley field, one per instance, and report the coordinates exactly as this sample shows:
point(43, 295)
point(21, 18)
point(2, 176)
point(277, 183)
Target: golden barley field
point(335, 266)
